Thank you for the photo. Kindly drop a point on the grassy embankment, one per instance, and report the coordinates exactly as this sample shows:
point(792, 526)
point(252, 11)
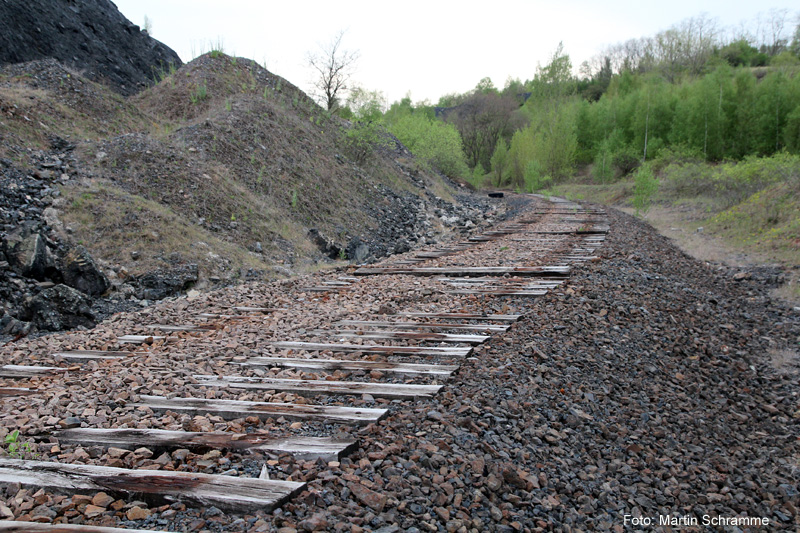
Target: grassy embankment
point(745, 212)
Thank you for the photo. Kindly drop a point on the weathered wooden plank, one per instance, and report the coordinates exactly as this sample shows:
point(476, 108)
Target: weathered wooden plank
point(338, 364)
point(183, 327)
point(229, 493)
point(466, 271)
point(464, 316)
point(308, 387)
point(10, 392)
point(587, 231)
point(539, 240)
point(159, 439)
point(319, 288)
point(139, 339)
point(22, 372)
point(498, 292)
point(227, 317)
point(422, 325)
point(432, 255)
point(504, 282)
point(404, 335)
point(372, 348)
point(242, 409)
point(248, 309)
point(91, 355)
point(7, 526)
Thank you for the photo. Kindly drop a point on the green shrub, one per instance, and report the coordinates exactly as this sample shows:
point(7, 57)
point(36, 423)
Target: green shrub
point(687, 179)
point(199, 93)
point(437, 145)
point(500, 161)
point(603, 169)
point(646, 186)
point(732, 182)
point(361, 139)
point(625, 161)
point(536, 178)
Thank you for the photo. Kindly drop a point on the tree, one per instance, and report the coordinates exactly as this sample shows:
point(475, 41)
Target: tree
point(334, 66)
point(366, 105)
point(500, 160)
point(481, 120)
point(435, 143)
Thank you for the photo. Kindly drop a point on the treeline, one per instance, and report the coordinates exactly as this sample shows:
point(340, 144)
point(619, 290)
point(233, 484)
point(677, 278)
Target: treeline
point(692, 89)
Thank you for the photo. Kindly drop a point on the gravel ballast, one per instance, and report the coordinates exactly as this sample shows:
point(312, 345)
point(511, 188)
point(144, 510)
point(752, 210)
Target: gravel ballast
point(649, 391)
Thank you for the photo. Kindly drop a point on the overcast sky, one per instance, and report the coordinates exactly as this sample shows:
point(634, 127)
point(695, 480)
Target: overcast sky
point(428, 48)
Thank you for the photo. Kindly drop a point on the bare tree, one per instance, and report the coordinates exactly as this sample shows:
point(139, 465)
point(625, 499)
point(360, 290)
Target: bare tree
point(481, 120)
point(334, 66)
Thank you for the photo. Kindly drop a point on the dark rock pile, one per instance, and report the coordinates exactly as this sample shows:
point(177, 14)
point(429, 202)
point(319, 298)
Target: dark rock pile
point(46, 282)
point(408, 221)
point(90, 36)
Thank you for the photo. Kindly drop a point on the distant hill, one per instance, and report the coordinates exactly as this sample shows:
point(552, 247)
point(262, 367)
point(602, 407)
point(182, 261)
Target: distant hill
point(89, 36)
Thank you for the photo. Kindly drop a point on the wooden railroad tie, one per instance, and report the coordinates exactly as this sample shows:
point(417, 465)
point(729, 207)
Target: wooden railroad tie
point(183, 327)
point(93, 355)
point(373, 349)
point(541, 283)
point(462, 316)
point(422, 325)
point(10, 392)
point(229, 493)
point(23, 372)
point(158, 439)
point(320, 288)
point(498, 292)
point(467, 271)
point(227, 317)
point(305, 387)
point(248, 309)
point(139, 339)
point(8, 526)
point(444, 371)
point(229, 409)
point(403, 335)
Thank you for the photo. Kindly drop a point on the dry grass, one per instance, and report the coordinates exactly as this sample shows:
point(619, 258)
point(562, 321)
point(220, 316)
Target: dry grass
point(112, 223)
point(200, 174)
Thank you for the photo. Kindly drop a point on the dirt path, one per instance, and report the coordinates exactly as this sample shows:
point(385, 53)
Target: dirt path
point(684, 226)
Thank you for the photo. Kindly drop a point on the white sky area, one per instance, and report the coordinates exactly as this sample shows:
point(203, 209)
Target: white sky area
point(428, 48)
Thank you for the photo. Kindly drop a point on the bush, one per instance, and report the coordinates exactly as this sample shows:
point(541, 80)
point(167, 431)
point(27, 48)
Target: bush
point(646, 186)
point(730, 183)
point(676, 154)
point(362, 139)
point(602, 169)
point(687, 179)
point(437, 145)
point(536, 178)
point(625, 161)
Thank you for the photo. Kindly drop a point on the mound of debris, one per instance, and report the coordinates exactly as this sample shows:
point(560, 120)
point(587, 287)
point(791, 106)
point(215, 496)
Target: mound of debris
point(90, 36)
point(46, 282)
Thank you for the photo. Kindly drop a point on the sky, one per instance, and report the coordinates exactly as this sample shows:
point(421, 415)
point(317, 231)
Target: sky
point(424, 48)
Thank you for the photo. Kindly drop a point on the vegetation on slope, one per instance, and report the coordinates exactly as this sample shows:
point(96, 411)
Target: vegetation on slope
point(221, 163)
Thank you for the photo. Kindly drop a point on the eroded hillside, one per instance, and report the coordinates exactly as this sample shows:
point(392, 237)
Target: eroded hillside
point(222, 165)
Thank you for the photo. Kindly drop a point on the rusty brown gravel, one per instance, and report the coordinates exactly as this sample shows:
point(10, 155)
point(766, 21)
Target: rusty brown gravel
point(644, 386)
